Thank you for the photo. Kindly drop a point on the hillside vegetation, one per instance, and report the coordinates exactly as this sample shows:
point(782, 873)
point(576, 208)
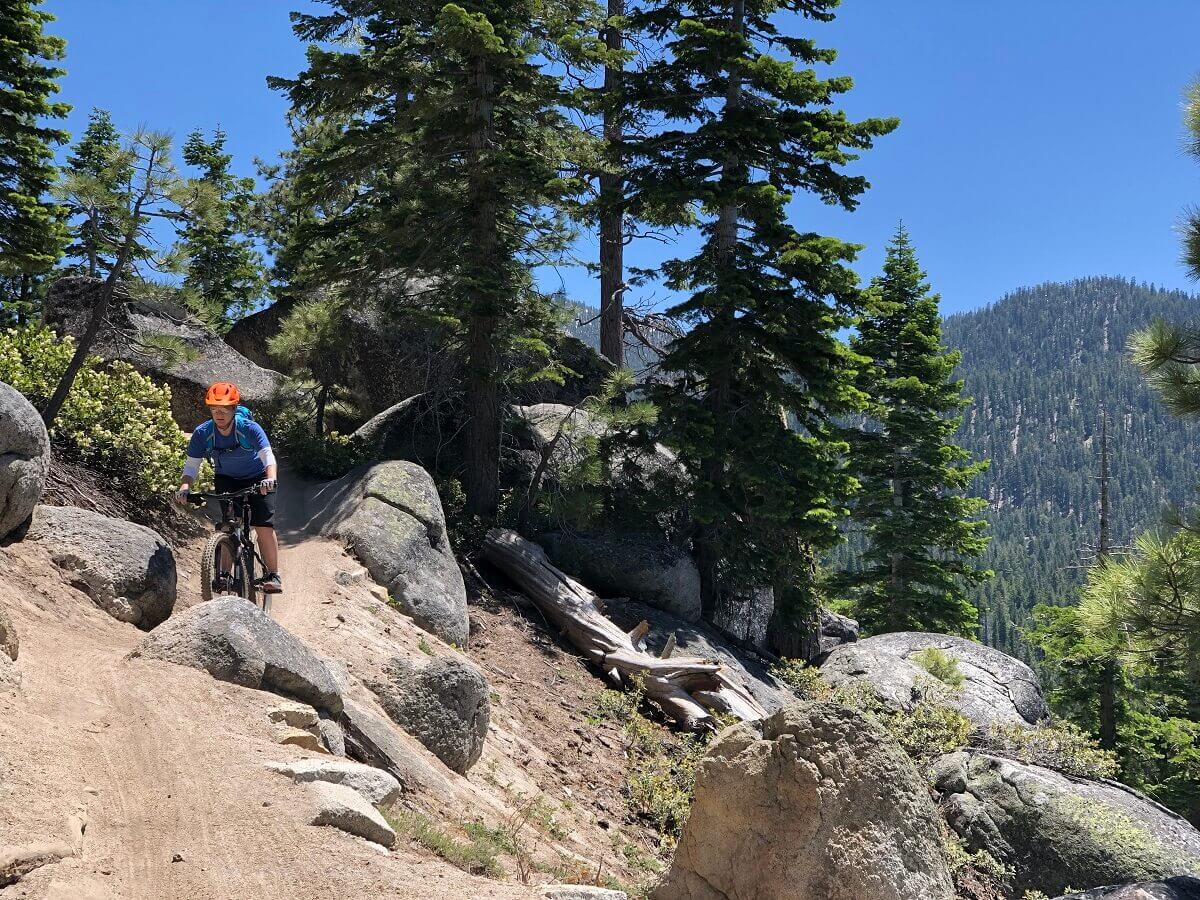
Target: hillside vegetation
point(1043, 364)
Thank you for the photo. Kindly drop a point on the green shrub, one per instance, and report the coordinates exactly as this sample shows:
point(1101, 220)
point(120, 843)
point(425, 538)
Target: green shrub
point(325, 457)
point(661, 785)
point(476, 856)
point(977, 875)
point(115, 419)
point(941, 666)
point(929, 729)
point(1060, 746)
point(804, 680)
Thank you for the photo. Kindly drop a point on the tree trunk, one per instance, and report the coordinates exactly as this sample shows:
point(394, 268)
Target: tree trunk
point(23, 302)
point(612, 206)
point(1108, 704)
point(688, 689)
point(896, 587)
point(712, 469)
point(482, 401)
point(1108, 672)
point(322, 399)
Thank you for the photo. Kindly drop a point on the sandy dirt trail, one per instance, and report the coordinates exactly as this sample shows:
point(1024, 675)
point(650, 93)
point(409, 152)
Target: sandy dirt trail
point(167, 763)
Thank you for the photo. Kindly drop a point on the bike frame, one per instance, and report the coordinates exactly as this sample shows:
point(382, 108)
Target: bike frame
point(239, 505)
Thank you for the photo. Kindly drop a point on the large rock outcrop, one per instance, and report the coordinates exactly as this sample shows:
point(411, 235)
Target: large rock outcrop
point(1057, 831)
point(166, 342)
point(823, 805)
point(1180, 888)
point(444, 704)
point(24, 460)
point(128, 570)
point(642, 567)
point(997, 690)
point(235, 641)
point(393, 521)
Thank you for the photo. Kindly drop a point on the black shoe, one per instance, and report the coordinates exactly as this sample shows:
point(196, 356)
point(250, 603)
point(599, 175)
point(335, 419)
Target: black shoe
point(272, 584)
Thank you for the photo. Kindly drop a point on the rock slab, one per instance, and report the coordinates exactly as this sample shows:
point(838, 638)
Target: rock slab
point(1058, 831)
point(642, 567)
point(373, 740)
point(444, 704)
point(1180, 888)
point(133, 326)
point(824, 804)
point(374, 785)
point(24, 460)
point(235, 641)
point(998, 689)
point(341, 807)
point(396, 527)
point(128, 570)
point(579, 892)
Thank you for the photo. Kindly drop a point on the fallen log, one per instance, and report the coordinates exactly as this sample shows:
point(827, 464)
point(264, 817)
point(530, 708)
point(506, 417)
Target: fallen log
point(688, 689)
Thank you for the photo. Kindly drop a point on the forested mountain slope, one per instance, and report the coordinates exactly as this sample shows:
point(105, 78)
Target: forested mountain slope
point(1042, 364)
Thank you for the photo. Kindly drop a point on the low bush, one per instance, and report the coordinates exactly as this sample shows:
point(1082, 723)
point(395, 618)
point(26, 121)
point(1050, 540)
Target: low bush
point(805, 681)
point(1060, 746)
point(926, 731)
point(325, 456)
point(115, 419)
point(941, 666)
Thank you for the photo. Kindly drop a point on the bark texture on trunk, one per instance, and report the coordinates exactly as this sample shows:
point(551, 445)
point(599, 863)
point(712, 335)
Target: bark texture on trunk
point(612, 205)
point(482, 401)
point(689, 690)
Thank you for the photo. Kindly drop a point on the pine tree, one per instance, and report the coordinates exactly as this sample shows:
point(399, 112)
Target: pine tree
point(921, 530)
point(151, 189)
point(31, 231)
point(96, 179)
point(455, 137)
point(1191, 226)
point(225, 272)
point(742, 129)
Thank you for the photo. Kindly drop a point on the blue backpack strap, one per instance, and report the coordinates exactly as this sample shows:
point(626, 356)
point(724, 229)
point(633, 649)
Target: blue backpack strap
point(239, 430)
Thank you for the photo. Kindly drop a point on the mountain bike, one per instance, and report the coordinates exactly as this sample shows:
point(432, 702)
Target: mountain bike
point(231, 561)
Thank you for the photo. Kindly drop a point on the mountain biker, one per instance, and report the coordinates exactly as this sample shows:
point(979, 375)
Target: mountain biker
point(240, 453)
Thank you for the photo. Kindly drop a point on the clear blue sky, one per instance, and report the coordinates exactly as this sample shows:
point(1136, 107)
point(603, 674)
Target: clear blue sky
point(1039, 140)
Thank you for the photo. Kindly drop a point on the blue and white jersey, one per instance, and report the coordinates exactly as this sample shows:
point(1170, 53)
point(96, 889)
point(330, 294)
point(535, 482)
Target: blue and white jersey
point(228, 457)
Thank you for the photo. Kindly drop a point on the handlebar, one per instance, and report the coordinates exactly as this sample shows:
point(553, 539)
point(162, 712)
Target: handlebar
point(199, 498)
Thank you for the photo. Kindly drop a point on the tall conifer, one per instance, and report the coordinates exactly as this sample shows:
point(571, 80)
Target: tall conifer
point(921, 529)
point(31, 230)
point(95, 189)
point(747, 121)
point(456, 139)
point(225, 272)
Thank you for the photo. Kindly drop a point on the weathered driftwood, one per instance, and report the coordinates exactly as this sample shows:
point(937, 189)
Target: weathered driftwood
point(689, 690)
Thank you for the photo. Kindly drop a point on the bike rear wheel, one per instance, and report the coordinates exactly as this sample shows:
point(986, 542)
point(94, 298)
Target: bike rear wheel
point(211, 563)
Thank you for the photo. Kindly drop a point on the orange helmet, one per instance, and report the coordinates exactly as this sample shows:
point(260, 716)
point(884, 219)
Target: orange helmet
point(222, 394)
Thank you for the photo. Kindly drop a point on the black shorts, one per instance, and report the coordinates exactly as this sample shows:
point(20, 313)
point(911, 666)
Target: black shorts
point(262, 506)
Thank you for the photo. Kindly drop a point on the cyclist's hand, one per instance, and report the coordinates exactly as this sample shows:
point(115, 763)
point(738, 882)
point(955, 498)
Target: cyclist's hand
point(267, 486)
point(181, 496)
